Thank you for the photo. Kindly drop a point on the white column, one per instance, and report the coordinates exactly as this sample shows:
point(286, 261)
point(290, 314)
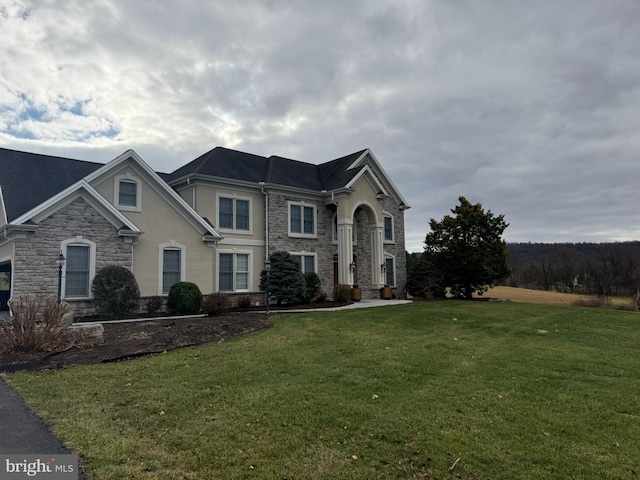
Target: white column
point(345, 251)
point(377, 255)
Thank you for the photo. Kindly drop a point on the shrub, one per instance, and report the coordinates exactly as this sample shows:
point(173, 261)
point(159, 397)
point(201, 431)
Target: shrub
point(184, 298)
point(216, 304)
point(116, 292)
point(286, 281)
point(244, 301)
point(153, 305)
point(312, 287)
point(36, 325)
point(322, 297)
point(341, 293)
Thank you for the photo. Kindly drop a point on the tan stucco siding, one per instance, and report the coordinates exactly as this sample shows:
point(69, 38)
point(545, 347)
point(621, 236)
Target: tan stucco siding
point(364, 194)
point(161, 224)
point(206, 199)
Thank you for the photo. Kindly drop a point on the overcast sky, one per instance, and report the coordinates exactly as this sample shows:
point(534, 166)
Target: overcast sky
point(531, 108)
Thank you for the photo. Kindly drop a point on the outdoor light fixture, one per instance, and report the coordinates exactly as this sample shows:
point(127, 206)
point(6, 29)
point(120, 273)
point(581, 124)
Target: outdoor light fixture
point(383, 268)
point(267, 268)
point(352, 266)
point(60, 262)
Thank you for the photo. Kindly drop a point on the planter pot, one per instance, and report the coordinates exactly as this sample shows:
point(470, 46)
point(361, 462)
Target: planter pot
point(386, 293)
point(356, 294)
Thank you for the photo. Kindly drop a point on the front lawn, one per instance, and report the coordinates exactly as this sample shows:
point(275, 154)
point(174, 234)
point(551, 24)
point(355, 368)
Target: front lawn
point(494, 390)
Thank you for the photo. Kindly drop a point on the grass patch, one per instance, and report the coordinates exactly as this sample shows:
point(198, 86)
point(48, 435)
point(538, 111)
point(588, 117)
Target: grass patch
point(516, 391)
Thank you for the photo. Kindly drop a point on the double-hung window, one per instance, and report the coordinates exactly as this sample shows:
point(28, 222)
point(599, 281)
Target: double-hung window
point(233, 272)
point(79, 267)
point(127, 194)
point(302, 220)
point(390, 271)
point(171, 268)
point(77, 273)
point(234, 214)
point(306, 261)
point(388, 229)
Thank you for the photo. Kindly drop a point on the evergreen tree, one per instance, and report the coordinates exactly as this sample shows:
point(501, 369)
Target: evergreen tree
point(425, 278)
point(286, 281)
point(468, 248)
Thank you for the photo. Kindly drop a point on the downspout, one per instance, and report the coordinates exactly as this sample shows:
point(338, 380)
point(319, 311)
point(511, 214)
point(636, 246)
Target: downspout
point(266, 221)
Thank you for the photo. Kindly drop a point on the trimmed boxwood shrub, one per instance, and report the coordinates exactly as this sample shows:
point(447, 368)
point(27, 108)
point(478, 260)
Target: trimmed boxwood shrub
point(115, 291)
point(184, 298)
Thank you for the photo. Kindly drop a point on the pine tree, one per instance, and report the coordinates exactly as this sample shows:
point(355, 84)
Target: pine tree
point(468, 248)
point(286, 281)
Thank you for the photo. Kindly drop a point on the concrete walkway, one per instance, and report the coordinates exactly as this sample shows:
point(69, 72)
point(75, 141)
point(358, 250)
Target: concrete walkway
point(360, 304)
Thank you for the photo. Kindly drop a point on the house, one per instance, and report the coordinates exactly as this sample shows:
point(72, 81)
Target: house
point(213, 222)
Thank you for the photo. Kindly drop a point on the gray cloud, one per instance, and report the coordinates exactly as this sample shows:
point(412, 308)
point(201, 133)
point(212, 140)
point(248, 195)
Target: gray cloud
point(530, 108)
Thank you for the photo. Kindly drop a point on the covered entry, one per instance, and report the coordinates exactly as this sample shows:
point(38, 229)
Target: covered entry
point(5, 285)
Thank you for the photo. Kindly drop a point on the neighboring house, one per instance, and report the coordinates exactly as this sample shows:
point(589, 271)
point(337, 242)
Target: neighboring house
point(212, 222)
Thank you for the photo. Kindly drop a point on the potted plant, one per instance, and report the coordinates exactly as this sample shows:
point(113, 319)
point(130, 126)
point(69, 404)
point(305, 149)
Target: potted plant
point(386, 293)
point(356, 293)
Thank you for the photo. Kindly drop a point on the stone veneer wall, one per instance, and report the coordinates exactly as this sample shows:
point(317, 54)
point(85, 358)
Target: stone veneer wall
point(325, 248)
point(398, 248)
point(322, 246)
point(35, 270)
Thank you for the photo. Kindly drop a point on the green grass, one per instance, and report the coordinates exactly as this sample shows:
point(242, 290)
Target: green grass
point(516, 391)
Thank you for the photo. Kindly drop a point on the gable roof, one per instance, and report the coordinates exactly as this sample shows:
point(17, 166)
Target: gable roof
point(29, 179)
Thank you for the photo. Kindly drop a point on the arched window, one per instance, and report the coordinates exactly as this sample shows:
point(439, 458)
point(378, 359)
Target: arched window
point(171, 266)
point(79, 267)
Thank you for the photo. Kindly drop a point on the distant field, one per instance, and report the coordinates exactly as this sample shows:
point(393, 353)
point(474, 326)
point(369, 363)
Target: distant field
point(548, 298)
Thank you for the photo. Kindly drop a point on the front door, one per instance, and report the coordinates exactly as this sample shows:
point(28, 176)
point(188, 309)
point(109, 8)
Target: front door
point(5, 285)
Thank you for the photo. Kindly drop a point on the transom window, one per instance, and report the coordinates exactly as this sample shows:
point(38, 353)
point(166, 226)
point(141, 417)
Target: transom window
point(302, 219)
point(233, 272)
point(234, 214)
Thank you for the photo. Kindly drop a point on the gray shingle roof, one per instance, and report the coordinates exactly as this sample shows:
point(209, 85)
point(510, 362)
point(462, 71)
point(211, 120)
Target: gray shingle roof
point(224, 163)
point(29, 179)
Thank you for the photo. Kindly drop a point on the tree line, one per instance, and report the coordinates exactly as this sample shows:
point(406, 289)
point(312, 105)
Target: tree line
point(606, 269)
point(465, 254)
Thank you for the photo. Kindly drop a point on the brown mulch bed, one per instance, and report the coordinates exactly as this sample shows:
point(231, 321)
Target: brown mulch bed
point(124, 341)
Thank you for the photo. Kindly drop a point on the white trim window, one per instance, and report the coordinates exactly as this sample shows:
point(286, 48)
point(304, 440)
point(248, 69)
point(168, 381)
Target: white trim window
point(79, 267)
point(234, 271)
point(306, 260)
point(234, 214)
point(388, 229)
point(127, 193)
point(171, 266)
point(302, 220)
point(390, 271)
